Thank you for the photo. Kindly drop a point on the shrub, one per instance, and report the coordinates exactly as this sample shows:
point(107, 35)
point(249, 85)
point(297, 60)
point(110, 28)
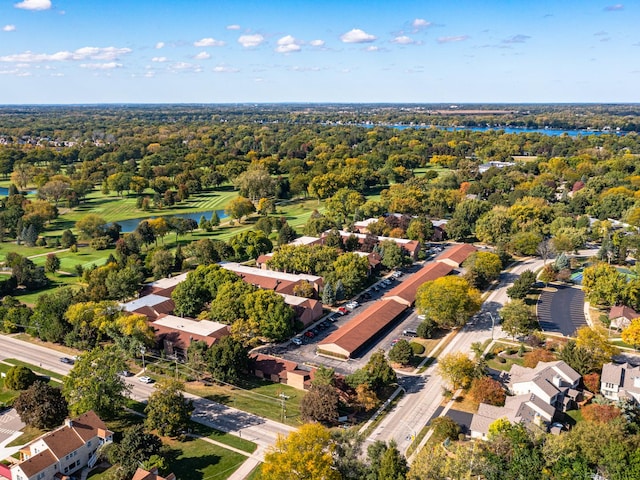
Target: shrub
point(19, 378)
point(600, 413)
point(502, 360)
point(592, 382)
point(418, 348)
point(443, 428)
point(531, 359)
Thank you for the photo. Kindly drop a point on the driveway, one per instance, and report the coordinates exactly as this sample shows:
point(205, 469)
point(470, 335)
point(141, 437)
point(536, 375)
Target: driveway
point(561, 309)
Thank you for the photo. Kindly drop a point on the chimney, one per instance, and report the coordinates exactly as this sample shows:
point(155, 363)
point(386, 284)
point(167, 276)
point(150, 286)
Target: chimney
point(68, 422)
point(557, 381)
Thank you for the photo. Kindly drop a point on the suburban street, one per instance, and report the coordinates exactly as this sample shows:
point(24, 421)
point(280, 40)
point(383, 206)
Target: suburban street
point(423, 395)
point(248, 426)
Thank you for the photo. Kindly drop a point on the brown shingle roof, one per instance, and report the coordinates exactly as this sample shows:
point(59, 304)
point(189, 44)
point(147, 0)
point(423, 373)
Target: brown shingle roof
point(274, 366)
point(407, 289)
point(365, 325)
point(37, 463)
point(457, 253)
point(67, 439)
point(622, 311)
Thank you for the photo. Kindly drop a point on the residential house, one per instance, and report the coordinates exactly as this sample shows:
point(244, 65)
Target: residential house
point(539, 396)
point(64, 451)
point(621, 316)
point(620, 381)
point(555, 383)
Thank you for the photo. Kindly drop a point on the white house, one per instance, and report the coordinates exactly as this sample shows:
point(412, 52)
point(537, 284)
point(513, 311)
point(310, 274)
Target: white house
point(555, 383)
point(620, 381)
point(62, 452)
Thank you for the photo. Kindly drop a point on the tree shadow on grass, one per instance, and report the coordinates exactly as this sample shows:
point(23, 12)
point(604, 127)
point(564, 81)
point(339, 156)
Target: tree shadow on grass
point(190, 468)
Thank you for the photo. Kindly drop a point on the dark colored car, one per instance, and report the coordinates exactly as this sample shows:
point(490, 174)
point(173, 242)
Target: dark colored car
point(66, 360)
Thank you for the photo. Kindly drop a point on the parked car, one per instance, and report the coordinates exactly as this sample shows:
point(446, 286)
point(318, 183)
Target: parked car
point(333, 318)
point(125, 373)
point(343, 310)
point(309, 334)
point(410, 333)
point(146, 379)
point(296, 340)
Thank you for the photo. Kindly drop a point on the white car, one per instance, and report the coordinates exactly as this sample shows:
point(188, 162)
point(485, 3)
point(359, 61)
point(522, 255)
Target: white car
point(146, 379)
point(296, 340)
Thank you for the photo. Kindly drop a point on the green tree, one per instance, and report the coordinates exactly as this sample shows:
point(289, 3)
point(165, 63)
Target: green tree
point(595, 341)
point(393, 255)
point(482, 268)
point(401, 352)
point(352, 270)
point(420, 229)
point(328, 295)
point(457, 369)
point(19, 377)
point(465, 216)
point(377, 373)
point(266, 315)
point(239, 207)
point(389, 465)
point(135, 447)
point(168, 411)
point(52, 263)
point(161, 264)
point(525, 243)
point(94, 383)
point(449, 301)
point(516, 318)
point(41, 406)
point(91, 226)
point(67, 239)
point(443, 428)
point(578, 358)
point(227, 359)
point(306, 453)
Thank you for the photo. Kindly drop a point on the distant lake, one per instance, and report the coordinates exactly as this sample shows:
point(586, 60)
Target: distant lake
point(553, 132)
point(130, 225)
point(4, 191)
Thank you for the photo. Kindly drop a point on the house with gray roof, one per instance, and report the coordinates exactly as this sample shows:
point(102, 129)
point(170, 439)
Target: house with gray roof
point(620, 381)
point(539, 396)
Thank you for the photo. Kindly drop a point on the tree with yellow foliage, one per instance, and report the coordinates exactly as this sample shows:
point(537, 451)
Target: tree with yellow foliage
point(305, 454)
point(631, 334)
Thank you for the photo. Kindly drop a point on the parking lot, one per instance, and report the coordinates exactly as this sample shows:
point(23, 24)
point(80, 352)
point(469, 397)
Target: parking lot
point(302, 349)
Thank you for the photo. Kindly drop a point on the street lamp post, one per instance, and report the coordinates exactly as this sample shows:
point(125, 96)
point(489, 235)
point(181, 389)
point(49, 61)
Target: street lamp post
point(493, 324)
point(142, 351)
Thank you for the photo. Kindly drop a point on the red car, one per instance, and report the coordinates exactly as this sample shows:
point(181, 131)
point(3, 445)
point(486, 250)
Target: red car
point(309, 334)
point(343, 310)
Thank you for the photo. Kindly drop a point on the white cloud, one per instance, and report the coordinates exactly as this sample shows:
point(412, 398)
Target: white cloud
point(202, 56)
point(372, 48)
point(208, 42)
point(249, 41)
point(225, 69)
point(317, 43)
point(403, 40)
point(159, 59)
point(84, 53)
point(419, 23)
point(233, 27)
point(101, 66)
point(288, 44)
point(357, 36)
point(34, 5)
point(9, 28)
point(159, 45)
point(458, 38)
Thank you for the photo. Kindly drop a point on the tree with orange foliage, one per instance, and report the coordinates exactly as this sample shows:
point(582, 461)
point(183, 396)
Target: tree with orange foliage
point(487, 390)
point(600, 413)
point(592, 382)
point(532, 358)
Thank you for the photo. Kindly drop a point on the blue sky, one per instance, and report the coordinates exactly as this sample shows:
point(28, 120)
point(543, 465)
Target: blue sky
point(211, 51)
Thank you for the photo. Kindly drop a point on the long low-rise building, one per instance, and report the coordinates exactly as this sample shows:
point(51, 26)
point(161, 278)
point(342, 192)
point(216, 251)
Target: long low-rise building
point(405, 292)
point(352, 337)
point(279, 282)
point(456, 255)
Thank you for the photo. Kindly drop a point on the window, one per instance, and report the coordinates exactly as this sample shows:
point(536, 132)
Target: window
point(89, 443)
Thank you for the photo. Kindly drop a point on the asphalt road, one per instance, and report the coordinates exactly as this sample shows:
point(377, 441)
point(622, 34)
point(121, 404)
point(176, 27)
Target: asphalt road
point(561, 309)
point(248, 426)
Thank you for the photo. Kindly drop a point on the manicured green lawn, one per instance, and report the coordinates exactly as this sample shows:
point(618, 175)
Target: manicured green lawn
point(256, 473)
point(198, 460)
point(223, 437)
